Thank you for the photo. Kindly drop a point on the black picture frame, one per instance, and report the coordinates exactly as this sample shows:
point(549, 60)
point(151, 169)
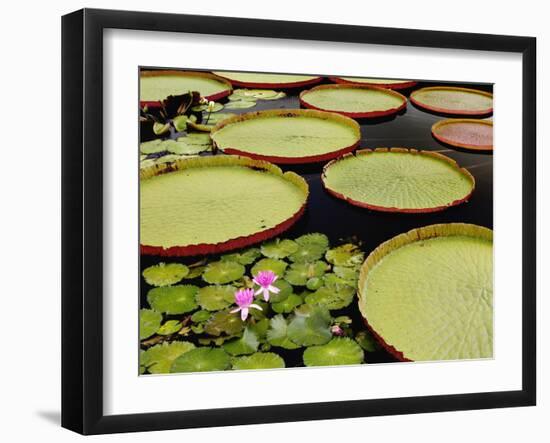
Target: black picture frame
point(82, 218)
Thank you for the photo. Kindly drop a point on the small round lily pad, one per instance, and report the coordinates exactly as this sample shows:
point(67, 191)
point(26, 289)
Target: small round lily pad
point(170, 327)
point(332, 298)
point(158, 359)
point(246, 344)
point(345, 255)
point(151, 147)
point(149, 323)
point(298, 274)
point(187, 146)
point(311, 247)
point(165, 274)
point(338, 351)
point(279, 248)
point(310, 326)
point(177, 299)
point(200, 316)
point(202, 360)
point(398, 180)
point(270, 264)
point(285, 289)
point(246, 257)
point(277, 333)
point(222, 271)
point(216, 297)
point(240, 104)
point(206, 107)
point(224, 322)
point(287, 305)
point(259, 360)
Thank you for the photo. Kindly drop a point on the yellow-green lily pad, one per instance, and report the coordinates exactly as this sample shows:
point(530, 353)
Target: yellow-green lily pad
point(158, 359)
point(149, 323)
point(177, 299)
point(222, 272)
point(165, 274)
point(279, 248)
point(259, 360)
point(216, 297)
point(338, 351)
point(202, 360)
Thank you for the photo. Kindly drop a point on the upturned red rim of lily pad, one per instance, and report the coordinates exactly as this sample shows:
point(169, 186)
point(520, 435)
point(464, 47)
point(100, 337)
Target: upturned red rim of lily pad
point(271, 85)
point(439, 135)
point(395, 86)
point(212, 97)
point(450, 111)
point(234, 243)
point(363, 204)
point(369, 114)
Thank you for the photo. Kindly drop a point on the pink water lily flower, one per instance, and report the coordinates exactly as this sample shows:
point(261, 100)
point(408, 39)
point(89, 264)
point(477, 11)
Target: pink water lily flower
point(244, 299)
point(265, 280)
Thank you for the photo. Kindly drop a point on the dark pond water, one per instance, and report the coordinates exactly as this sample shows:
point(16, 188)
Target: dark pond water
point(340, 221)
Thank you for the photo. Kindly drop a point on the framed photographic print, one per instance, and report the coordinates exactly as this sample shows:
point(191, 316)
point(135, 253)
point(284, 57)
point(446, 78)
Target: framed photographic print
point(261, 218)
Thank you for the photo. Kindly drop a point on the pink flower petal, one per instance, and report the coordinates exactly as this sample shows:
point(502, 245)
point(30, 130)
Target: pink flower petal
point(255, 306)
point(244, 313)
point(273, 289)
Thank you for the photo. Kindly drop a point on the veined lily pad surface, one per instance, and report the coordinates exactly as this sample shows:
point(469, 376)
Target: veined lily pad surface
point(398, 180)
point(157, 85)
point(466, 133)
point(261, 80)
point(287, 136)
point(452, 100)
point(428, 294)
point(381, 82)
point(354, 101)
point(214, 204)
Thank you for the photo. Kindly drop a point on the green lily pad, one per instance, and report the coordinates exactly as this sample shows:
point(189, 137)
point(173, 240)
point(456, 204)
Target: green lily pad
point(314, 283)
point(260, 328)
point(158, 359)
point(215, 108)
point(224, 322)
point(239, 97)
point(177, 299)
point(270, 264)
point(398, 180)
point(428, 293)
point(183, 146)
point(221, 272)
point(256, 93)
point(331, 280)
point(247, 344)
point(165, 274)
point(367, 341)
point(288, 304)
point(200, 316)
point(195, 272)
point(214, 119)
point(345, 255)
point(240, 104)
point(259, 360)
point(332, 297)
point(287, 135)
point(149, 323)
point(246, 257)
point(310, 326)
point(285, 289)
point(277, 333)
point(170, 327)
point(311, 247)
point(278, 96)
point(151, 147)
point(215, 298)
point(338, 351)
point(299, 273)
point(350, 275)
point(161, 128)
point(202, 360)
point(279, 248)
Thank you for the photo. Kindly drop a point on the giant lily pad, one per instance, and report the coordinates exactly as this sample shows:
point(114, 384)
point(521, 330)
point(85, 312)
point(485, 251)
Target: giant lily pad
point(157, 85)
point(217, 297)
point(223, 271)
point(453, 100)
point(310, 326)
point(287, 136)
point(354, 101)
point(202, 360)
point(465, 133)
point(428, 294)
point(177, 299)
point(380, 82)
point(338, 351)
point(158, 359)
point(198, 206)
point(398, 180)
point(165, 274)
point(259, 360)
point(262, 80)
point(149, 323)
